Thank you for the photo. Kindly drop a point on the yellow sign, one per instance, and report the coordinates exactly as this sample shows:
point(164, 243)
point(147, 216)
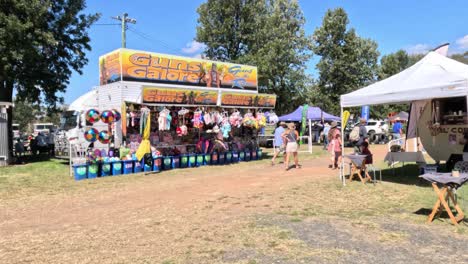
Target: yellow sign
point(179, 96)
point(168, 69)
point(248, 100)
point(344, 119)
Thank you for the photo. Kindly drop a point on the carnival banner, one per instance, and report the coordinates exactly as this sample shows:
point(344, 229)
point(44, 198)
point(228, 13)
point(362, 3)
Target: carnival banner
point(109, 68)
point(168, 69)
point(172, 96)
point(345, 118)
point(248, 100)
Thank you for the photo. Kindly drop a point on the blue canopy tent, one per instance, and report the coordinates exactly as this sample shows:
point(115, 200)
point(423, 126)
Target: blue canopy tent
point(314, 113)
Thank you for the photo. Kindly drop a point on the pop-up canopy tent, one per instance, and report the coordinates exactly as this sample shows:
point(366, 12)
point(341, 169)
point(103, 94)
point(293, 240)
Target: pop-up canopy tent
point(313, 113)
point(84, 102)
point(434, 76)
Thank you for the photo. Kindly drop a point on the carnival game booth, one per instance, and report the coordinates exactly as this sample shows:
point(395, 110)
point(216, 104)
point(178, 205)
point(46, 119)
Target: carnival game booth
point(174, 112)
point(437, 89)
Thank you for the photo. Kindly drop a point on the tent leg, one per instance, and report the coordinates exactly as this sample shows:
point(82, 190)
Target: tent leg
point(342, 176)
point(310, 137)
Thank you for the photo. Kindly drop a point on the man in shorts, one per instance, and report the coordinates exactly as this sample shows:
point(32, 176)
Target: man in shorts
point(278, 142)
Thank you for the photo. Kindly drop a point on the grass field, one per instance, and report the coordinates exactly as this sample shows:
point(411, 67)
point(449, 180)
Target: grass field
point(244, 213)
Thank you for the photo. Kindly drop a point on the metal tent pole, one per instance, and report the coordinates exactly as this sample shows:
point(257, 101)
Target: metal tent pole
point(310, 137)
point(342, 150)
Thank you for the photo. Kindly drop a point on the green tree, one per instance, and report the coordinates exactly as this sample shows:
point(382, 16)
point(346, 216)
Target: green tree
point(268, 34)
point(461, 57)
point(347, 61)
point(41, 42)
point(24, 114)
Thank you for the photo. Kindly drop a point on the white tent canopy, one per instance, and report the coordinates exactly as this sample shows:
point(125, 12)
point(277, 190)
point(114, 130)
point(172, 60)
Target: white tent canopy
point(434, 76)
point(87, 100)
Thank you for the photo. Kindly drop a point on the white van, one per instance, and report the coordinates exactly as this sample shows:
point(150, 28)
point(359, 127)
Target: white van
point(45, 128)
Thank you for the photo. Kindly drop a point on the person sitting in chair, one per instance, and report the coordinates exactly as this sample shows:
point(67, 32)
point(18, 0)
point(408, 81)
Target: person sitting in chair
point(365, 151)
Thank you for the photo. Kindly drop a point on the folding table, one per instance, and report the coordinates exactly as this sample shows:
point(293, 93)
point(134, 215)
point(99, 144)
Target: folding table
point(445, 194)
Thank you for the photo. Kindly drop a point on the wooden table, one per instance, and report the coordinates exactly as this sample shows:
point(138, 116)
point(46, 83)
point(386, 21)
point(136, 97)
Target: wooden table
point(445, 194)
point(358, 164)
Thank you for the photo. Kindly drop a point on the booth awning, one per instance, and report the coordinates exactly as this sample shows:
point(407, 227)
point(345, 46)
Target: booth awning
point(314, 113)
point(434, 76)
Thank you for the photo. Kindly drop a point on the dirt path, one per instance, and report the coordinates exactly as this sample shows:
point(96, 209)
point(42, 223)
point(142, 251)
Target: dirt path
point(203, 215)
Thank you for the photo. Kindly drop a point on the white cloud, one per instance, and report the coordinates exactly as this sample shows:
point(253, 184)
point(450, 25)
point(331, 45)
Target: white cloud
point(418, 49)
point(463, 42)
point(193, 47)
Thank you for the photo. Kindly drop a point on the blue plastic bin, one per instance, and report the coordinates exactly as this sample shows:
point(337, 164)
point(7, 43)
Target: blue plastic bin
point(184, 161)
point(200, 160)
point(137, 166)
point(116, 167)
point(105, 169)
point(241, 156)
point(228, 157)
point(192, 160)
point(214, 158)
point(206, 159)
point(127, 166)
point(80, 172)
point(146, 167)
point(247, 154)
point(222, 158)
point(93, 170)
point(157, 164)
point(235, 157)
point(253, 155)
point(167, 163)
point(176, 162)
point(259, 153)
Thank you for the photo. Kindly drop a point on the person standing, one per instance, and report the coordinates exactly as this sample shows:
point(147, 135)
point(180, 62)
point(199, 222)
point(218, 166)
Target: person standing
point(362, 135)
point(331, 135)
point(290, 136)
point(397, 131)
point(278, 143)
point(326, 129)
point(51, 143)
point(336, 151)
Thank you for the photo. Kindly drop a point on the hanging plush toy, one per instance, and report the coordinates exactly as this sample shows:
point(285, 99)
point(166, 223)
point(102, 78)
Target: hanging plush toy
point(104, 137)
point(107, 117)
point(92, 116)
point(91, 135)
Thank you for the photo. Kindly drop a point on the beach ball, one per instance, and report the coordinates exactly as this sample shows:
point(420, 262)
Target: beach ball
point(91, 135)
point(107, 117)
point(92, 116)
point(104, 137)
point(116, 115)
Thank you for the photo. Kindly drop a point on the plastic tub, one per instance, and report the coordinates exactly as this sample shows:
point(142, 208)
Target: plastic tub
point(137, 166)
point(93, 170)
point(241, 156)
point(79, 172)
point(214, 158)
point(116, 167)
point(228, 157)
point(253, 155)
point(235, 157)
point(184, 161)
point(200, 160)
point(176, 162)
point(127, 166)
point(221, 158)
point(192, 160)
point(167, 163)
point(206, 159)
point(259, 153)
point(146, 167)
point(157, 164)
point(105, 169)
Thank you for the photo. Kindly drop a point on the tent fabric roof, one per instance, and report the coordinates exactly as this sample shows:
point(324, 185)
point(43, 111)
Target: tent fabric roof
point(313, 113)
point(434, 76)
point(87, 100)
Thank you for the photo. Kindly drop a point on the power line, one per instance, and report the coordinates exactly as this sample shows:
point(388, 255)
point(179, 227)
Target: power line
point(113, 24)
point(152, 40)
point(124, 19)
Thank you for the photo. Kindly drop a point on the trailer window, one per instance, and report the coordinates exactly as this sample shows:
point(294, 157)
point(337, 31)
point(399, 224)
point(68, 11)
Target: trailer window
point(450, 111)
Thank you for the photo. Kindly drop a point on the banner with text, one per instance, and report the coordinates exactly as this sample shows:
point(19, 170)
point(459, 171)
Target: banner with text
point(145, 66)
point(172, 96)
point(109, 68)
point(248, 100)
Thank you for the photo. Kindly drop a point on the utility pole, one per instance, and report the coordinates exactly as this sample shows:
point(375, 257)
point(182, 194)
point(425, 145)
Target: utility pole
point(124, 19)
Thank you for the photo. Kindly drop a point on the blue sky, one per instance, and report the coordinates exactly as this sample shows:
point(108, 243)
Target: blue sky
point(170, 27)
